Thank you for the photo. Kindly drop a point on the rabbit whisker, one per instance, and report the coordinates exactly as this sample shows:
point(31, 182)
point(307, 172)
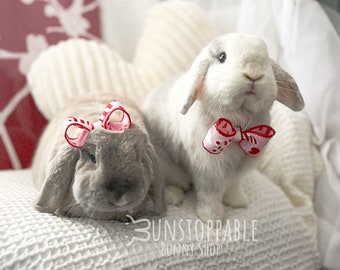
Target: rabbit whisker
point(74, 209)
point(93, 213)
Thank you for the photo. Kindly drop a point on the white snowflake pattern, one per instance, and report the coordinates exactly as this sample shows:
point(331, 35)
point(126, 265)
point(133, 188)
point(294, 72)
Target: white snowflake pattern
point(71, 19)
point(34, 44)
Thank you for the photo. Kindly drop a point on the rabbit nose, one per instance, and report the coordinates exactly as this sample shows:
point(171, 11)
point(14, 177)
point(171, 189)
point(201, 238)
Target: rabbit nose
point(118, 188)
point(252, 76)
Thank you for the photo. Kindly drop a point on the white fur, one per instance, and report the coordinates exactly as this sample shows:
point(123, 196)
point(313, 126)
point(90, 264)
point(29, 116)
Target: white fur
point(207, 91)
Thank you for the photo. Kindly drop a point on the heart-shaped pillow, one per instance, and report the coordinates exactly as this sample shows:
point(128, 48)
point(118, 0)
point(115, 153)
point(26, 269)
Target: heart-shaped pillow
point(174, 34)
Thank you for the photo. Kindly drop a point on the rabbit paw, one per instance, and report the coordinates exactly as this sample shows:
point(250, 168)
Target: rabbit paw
point(174, 195)
point(211, 214)
point(236, 199)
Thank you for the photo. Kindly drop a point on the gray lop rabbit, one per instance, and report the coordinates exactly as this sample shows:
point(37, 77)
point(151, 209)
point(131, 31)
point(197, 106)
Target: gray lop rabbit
point(211, 123)
point(103, 167)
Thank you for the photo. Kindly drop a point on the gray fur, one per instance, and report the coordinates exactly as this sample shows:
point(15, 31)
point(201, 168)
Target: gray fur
point(126, 173)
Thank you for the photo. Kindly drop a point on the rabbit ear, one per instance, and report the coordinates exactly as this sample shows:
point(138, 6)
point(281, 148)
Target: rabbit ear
point(156, 190)
point(58, 181)
point(288, 91)
point(194, 78)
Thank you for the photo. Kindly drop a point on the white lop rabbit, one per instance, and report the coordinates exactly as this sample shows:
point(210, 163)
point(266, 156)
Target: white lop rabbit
point(234, 78)
point(111, 175)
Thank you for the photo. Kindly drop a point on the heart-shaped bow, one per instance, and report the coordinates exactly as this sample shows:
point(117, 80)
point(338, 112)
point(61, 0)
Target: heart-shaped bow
point(251, 141)
point(105, 122)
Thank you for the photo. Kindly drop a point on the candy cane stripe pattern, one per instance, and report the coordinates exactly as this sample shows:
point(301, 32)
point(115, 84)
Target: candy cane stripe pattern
point(85, 126)
point(123, 124)
point(105, 121)
point(251, 141)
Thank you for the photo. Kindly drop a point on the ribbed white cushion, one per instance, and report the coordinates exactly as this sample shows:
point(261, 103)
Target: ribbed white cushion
point(280, 202)
point(33, 240)
point(173, 36)
point(292, 161)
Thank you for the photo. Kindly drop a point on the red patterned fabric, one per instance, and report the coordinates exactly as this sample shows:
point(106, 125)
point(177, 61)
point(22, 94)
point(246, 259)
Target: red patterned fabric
point(26, 28)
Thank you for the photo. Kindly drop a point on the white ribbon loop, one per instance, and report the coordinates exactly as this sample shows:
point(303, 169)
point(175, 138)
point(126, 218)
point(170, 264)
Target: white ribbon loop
point(85, 127)
point(106, 121)
point(107, 117)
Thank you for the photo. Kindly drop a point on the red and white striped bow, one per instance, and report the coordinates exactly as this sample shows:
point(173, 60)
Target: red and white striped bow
point(251, 141)
point(105, 122)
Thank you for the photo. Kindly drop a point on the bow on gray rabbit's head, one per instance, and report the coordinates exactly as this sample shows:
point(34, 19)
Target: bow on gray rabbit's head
point(111, 175)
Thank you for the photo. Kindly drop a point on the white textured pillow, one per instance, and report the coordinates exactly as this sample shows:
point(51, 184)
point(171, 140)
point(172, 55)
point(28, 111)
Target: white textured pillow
point(292, 161)
point(173, 36)
point(34, 240)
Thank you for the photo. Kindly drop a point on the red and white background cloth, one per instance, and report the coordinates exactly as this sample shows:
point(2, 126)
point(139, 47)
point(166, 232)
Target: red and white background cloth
point(27, 27)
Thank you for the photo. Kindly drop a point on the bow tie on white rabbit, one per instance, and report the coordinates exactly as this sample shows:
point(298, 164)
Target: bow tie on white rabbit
point(232, 80)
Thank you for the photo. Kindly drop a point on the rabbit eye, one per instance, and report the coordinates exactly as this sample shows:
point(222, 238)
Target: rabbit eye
point(222, 57)
point(88, 156)
point(92, 158)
